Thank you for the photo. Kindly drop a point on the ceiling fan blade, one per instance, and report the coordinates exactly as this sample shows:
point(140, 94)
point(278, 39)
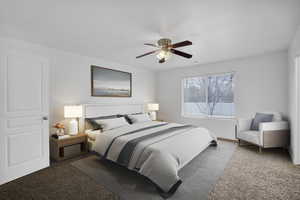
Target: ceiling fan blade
point(146, 54)
point(152, 45)
point(181, 44)
point(180, 53)
point(162, 60)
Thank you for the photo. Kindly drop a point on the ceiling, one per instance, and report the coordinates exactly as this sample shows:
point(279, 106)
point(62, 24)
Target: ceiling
point(116, 30)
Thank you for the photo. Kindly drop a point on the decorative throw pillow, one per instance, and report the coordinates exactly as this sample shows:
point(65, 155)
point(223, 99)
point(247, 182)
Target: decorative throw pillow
point(108, 124)
point(95, 126)
point(260, 118)
point(144, 117)
point(128, 119)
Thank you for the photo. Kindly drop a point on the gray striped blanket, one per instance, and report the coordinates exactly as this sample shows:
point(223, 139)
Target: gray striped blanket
point(157, 150)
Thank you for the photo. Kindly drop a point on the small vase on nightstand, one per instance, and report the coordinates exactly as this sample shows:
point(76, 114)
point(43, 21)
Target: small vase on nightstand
point(60, 131)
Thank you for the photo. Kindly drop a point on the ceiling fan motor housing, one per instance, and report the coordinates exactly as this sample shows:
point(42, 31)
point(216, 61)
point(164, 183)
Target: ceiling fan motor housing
point(164, 42)
point(166, 48)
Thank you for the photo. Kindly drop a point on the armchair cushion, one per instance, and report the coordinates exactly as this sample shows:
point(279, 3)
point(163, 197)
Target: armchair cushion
point(276, 115)
point(253, 137)
point(244, 124)
point(274, 126)
point(260, 118)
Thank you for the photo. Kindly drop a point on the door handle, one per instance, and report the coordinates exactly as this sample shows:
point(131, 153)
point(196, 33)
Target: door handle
point(45, 118)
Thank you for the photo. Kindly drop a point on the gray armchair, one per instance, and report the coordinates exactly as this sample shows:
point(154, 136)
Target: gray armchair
point(270, 134)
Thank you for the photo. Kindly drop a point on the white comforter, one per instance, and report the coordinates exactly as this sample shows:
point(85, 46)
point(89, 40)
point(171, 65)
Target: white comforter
point(157, 151)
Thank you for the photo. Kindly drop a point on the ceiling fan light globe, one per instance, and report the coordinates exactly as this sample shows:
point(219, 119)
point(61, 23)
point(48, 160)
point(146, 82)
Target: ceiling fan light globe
point(163, 55)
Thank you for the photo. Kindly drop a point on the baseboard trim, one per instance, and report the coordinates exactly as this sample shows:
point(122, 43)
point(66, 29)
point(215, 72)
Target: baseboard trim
point(228, 140)
point(295, 161)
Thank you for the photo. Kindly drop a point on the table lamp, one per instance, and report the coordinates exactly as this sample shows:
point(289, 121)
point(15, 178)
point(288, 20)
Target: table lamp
point(74, 113)
point(153, 107)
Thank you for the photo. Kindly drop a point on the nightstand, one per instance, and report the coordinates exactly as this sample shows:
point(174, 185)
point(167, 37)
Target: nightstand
point(59, 146)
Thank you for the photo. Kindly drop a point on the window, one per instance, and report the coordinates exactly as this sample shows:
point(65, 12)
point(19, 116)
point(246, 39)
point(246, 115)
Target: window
point(208, 96)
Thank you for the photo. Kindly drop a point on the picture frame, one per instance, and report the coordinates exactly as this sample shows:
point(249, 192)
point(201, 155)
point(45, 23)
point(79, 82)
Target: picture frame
point(107, 82)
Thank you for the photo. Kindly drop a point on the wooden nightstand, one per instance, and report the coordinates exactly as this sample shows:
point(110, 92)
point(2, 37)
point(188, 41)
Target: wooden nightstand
point(57, 147)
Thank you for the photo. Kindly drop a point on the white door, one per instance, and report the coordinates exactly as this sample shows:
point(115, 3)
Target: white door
point(24, 125)
point(295, 138)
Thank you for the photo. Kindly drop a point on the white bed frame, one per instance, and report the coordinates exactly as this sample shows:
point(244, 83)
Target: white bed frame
point(100, 110)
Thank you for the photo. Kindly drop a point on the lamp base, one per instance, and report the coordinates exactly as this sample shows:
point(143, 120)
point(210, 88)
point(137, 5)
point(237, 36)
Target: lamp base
point(73, 128)
point(152, 115)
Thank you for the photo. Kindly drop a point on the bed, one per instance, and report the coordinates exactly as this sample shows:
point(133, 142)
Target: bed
point(156, 150)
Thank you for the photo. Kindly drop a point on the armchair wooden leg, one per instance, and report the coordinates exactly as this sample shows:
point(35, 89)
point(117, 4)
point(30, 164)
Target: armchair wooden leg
point(260, 149)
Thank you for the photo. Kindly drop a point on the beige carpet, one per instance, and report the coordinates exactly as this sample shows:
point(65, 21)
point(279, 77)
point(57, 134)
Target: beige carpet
point(255, 176)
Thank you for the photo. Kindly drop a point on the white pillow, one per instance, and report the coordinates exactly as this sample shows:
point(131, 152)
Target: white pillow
point(108, 124)
point(144, 117)
point(92, 134)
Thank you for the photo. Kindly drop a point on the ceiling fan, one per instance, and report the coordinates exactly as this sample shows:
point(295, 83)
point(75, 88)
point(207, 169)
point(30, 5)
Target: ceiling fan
point(166, 48)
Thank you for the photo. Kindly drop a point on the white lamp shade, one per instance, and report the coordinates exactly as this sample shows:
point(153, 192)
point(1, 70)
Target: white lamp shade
point(153, 106)
point(73, 111)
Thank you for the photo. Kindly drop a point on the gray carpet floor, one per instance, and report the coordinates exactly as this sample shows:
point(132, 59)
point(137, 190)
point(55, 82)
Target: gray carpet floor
point(198, 177)
point(61, 181)
point(251, 175)
point(247, 175)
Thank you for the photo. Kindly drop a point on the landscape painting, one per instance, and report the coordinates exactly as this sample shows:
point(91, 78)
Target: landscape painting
point(110, 83)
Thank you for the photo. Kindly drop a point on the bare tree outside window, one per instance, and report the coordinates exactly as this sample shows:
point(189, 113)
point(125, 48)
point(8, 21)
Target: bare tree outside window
point(195, 95)
point(209, 95)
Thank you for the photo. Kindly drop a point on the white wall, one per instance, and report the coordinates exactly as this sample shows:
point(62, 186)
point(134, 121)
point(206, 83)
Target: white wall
point(294, 51)
point(70, 78)
point(261, 84)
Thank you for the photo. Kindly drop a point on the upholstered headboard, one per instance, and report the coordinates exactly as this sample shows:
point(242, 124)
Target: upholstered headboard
point(100, 110)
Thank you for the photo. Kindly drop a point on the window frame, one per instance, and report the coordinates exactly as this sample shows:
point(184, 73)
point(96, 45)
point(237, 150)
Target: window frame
point(207, 116)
